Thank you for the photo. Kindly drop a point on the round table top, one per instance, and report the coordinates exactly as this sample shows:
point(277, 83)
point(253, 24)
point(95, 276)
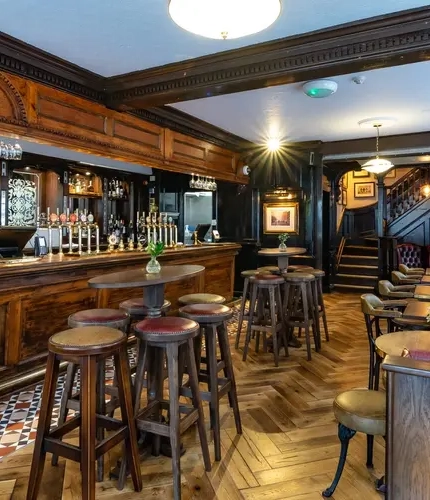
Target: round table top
point(139, 277)
point(393, 344)
point(275, 252)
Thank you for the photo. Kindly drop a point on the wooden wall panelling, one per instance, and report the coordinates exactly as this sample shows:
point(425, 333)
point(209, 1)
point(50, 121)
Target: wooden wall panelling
point(3, 315)
point(13, 332)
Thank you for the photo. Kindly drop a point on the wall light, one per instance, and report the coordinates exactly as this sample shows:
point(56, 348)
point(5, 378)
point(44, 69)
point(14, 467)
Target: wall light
point(426, 190)
point(273, 144)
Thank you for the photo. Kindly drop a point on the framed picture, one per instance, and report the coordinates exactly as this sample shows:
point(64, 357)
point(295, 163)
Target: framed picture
point(360, 173)
point(344, 197)
point(391, 174)
point(364, 190)
point(281, 217)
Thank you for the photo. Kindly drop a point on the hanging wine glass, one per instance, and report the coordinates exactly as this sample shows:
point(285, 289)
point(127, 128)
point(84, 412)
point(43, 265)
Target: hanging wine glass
point(192, 182)
point(198, 182)
point(205, 184)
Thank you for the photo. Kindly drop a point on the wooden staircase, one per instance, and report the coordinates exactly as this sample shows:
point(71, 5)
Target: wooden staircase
point(357, 270)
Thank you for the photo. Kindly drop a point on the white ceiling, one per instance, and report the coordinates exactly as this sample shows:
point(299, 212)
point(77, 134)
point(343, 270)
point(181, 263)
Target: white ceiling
point(287, 113)
point(111, 37)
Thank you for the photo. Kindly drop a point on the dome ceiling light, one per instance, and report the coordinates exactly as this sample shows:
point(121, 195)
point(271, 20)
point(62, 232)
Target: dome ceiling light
point(376, 165)
point(224, 19)
point(320, 88)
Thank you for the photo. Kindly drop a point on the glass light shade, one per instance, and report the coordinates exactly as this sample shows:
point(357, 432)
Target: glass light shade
point(224, 19)
point(377, 166)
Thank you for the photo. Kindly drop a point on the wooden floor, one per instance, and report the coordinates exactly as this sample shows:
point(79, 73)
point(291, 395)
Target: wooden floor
point(289, 448)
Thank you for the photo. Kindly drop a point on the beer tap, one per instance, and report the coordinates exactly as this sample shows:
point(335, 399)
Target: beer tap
point(79, 238)
point(148, 226)
point(171, 232)
point(89, 239)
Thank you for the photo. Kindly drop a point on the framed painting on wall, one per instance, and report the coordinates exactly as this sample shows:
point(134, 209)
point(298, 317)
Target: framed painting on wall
point(360, 173)
point(281, 218)
point(364, 190)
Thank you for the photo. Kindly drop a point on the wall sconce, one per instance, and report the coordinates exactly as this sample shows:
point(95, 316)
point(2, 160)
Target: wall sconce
point(426, 190)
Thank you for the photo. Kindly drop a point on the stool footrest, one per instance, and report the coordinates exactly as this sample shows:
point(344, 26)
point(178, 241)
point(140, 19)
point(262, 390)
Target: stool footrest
point(66, 450)
point(224, 386)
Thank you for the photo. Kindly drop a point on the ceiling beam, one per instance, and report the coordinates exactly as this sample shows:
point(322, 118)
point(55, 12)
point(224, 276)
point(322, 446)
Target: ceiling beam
point(379, 42)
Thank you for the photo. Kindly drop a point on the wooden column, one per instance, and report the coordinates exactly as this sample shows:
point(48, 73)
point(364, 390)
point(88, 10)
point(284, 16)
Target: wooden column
point(318, 210)
point(380, 209)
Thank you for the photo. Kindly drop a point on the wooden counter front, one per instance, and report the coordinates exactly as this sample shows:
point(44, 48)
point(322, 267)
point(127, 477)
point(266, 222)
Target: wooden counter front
point(37, 298)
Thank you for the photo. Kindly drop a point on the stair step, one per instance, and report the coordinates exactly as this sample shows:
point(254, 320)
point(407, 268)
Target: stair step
point(367, 257)
point(356, 276)
point(354, 288)
point(359, 266)
point(360, 250)
point(356, 279)
point(362, 247)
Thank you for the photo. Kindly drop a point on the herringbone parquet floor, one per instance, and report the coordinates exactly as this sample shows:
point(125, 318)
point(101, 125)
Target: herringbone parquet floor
point(289, 448)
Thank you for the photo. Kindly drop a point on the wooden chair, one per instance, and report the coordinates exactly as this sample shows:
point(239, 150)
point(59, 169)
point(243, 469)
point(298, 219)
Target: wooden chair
point(399, 278)
point(388, 291)
point(403, 268)
point(85, 347)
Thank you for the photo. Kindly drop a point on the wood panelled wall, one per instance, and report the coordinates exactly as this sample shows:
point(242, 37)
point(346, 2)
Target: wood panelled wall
point(37, 112)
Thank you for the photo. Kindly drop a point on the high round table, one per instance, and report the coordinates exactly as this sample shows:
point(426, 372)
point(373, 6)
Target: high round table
point(392, 344)
point(282, 255)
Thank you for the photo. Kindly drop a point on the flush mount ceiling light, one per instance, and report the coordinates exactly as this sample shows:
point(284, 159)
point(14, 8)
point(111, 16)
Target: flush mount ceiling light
point(320, 88)
point(377, 165)
point(224, 19)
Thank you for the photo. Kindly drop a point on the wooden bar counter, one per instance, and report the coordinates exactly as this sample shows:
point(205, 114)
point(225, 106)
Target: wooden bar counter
point(36, 298)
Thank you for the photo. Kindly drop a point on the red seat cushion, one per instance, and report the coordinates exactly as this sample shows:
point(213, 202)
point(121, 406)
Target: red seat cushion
point(166, 326)
point(99, 315)
point(137, 303)
point(268, 279)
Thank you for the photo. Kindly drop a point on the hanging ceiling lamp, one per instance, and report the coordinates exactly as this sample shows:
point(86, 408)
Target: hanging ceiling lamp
point(224, 19)
point(377, 165)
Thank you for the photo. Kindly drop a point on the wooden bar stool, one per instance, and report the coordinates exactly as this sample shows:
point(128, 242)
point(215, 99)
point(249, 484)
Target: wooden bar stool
point(300, 305)
point(85, 347)
point(319, 275)
point(138, 311)
point(201, 298)
point(168, 335)
point(299, 267)
point(269, 269)
point(266, 286)
point(110, 318)
point(212, 319)
point(245, 294)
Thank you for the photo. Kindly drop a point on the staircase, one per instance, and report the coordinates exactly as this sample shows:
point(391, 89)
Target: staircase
point(357, 270)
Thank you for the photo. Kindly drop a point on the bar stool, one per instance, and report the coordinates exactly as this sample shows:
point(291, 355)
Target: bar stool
point(85, 346)
point(168, 335)
point(268, 269)
point(212, 319)
point(300, 304)
point(201, 298)
point(245, 294)
point(262, 285)
point(138, 311)
point(318, 290)
point(299, 267)
point(110, 318)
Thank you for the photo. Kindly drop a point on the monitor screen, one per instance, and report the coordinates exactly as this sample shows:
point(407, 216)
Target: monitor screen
point(202, 229)
point(13, 239)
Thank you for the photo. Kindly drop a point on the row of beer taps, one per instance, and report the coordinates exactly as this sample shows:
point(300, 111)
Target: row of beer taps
point(158, 227)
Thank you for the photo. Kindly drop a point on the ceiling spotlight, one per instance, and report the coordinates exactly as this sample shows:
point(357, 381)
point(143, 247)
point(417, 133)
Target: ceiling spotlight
point(320, 88)
point(273, 144)
point(358, 80)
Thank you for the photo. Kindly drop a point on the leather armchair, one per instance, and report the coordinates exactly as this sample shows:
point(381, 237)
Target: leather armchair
point(403, 268)
point(410, 255)
point(399, 278)
point(388, 290)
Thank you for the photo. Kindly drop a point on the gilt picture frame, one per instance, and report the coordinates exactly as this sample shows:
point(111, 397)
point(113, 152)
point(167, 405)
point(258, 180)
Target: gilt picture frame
point(357, 174)
point(281, 218)
point(364, 190)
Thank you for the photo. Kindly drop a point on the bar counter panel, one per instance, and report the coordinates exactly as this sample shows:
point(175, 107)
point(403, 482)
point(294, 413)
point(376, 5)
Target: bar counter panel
point(37, 298)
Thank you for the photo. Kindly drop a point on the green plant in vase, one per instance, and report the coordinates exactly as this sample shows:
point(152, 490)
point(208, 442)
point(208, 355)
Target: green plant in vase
point(283, 238)
point(154, 250)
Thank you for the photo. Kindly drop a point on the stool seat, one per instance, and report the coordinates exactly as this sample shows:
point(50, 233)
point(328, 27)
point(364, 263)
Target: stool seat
point(136, 307)
point(315, 272)
point(362, 410)
point(299, 277)
point(201, 298)
point(267, 279)
point(207, 313)
point(298, 267)
point(168, 329)
point(87, 339)
point(114, 318)
point(249, 273)
point(268, 269)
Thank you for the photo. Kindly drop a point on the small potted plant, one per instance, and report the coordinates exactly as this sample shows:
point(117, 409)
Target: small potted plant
point(283, 238)
point(154, 250)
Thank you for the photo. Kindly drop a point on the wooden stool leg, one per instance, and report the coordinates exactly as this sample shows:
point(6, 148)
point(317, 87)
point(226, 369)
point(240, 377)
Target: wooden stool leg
point(250, 321)
point(322, 305)
point(313, 303)
point(125, 397)
point(213, 378)
point(172, 367)
point(273, 324)
point(304, 293)
point(88, 425)
point(67, 394)
point(229, 371)
point(101, 410)
point(39, 454)
point(282, 319)
point(197, 403)
point(241, 312)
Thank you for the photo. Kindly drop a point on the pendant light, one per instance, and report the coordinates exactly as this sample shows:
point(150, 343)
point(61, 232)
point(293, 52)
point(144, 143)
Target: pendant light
point(377, 165)
point(224, 19)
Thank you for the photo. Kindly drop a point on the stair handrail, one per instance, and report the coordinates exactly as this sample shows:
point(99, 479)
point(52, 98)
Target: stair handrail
point(340, 251)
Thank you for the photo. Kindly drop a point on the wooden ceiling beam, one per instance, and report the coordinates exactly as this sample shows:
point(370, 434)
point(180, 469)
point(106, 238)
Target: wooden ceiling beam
point(379, 42)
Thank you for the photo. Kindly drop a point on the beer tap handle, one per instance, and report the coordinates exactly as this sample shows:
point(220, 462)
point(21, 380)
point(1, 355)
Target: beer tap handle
point(97, 239)
point(88, 239)
point(70, 239)
point(79, 239)
point(50, 239)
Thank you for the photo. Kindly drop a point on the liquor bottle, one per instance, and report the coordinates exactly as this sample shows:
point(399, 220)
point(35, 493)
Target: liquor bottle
point(131, 230)
point(121, 190)
point(90, 217)
point(125, 195)
point(117, 192)
point(90, 187)
point(111, 224)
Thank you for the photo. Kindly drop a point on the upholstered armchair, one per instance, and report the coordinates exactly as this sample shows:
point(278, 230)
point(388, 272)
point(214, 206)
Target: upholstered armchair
point(410, 255)
point(399, 278)
point(403, 268)
point(389, 291)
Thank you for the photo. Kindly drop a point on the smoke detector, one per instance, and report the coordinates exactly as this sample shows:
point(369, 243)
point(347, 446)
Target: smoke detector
point(320, 88)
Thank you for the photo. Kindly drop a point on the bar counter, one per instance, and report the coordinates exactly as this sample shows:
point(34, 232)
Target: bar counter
point(37, 297)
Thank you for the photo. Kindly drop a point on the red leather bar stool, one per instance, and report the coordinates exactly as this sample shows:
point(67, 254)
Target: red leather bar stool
point(138, 311)
point(212, 320)
point(85, 347)
point(266, 287)
point(243, 315)
point(110, 318)
point(175, 337)
point(299, 267)
point(201, 298)
point(268, 269)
